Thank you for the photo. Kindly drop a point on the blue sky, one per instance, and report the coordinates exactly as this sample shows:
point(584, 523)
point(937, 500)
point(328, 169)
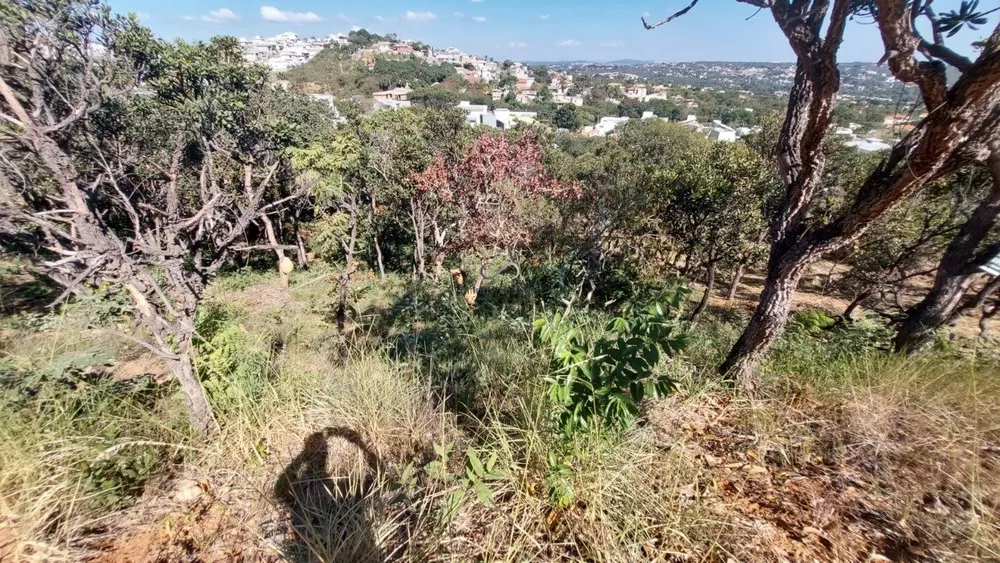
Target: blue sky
point(519, 29)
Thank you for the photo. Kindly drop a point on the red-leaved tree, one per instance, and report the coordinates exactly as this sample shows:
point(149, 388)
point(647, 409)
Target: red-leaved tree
point(487, 200)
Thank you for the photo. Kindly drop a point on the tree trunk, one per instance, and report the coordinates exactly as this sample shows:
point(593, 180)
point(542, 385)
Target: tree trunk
point(273, 241)
point(199, 409)
point(419, 231)
point(860, 298)
point(345, 277)
point(300, 247)
point(767, 323)
point(734, 286)
point(439, 259)
point(181, 362)
point(378, 257)
point(957, 270)
point(473, 293)
point(709, 286)
point(378, 247)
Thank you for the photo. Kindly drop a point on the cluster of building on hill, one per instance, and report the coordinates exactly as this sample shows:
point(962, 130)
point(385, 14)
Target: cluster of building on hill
point(472, 68)
point(716, 130)
point(898, 123)
point(286, 50)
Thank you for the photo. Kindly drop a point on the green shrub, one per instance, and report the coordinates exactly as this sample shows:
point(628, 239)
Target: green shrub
point(602, 381)
point(234, 366)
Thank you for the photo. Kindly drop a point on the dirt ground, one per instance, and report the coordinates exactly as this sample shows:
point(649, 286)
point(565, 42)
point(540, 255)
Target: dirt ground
point(829, 483)
point(815, 292)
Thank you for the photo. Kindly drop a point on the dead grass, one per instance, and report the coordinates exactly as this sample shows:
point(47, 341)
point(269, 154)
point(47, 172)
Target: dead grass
point(866, 458)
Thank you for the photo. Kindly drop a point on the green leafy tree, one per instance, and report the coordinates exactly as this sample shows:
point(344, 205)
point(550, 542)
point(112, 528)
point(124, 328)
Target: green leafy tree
point(155, 188)
point(568, 117)
point(330, 173)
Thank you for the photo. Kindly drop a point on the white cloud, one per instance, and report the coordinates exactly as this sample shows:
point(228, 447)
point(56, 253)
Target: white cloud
point(355, 28)
point(518, 44)
point(272, 14)
point(543, 17)
point(379, 18)
point(475, 1)
point(419, 16)
point(478, 19)
point(612, 44)
point(221, 15)
point(568, 43)
point(459, 15)
point(646, 14)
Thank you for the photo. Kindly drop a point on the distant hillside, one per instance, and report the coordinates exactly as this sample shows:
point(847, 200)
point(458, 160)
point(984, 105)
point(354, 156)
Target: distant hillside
point(334, 71)
point(858, 79)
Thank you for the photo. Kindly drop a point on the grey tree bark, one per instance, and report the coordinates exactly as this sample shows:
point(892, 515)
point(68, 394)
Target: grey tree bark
point(957, 271)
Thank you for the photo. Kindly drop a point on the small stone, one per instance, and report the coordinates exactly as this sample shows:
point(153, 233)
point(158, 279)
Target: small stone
point(188, 490)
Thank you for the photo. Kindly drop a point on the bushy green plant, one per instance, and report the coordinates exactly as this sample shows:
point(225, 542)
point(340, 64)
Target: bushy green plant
point(234, 367)
point(117, 478)
point(810, 321)
point(602, 380)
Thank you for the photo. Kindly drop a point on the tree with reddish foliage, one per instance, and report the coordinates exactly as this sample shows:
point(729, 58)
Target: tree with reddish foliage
point(487, 200)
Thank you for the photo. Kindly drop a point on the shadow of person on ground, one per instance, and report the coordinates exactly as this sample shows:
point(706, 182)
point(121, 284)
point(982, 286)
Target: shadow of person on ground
point(330, 515)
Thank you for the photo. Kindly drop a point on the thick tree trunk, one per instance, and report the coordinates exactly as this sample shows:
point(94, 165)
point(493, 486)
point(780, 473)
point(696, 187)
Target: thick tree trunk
point(955, 274)
point(734, 286)
point(767, 323)
point(709, 287)
point(199, 409)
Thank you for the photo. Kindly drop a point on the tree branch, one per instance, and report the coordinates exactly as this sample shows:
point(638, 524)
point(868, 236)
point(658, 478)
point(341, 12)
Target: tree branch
point(676, 15)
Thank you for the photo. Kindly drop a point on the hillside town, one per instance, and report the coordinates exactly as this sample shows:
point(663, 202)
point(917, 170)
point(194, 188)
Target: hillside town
point(521, 86)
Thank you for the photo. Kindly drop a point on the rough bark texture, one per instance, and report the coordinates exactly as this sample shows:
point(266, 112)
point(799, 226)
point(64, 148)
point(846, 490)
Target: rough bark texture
point(199, 409)
point(960, 125)
point(957, 270)
point(157, 237)
point(801, 161)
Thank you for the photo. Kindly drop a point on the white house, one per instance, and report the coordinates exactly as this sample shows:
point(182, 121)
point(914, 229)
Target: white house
point(604, 126)
point(871, 144)
point(504, 119)
point(722, 132)
point(473, 112)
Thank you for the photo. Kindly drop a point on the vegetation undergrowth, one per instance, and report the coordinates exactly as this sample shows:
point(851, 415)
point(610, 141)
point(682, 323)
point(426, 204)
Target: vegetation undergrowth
point(444, 433)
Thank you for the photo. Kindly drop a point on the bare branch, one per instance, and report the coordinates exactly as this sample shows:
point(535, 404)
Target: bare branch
point(670, 18)
point(151, 347)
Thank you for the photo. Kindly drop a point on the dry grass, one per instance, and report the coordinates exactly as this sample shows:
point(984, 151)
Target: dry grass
point(851, 458)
